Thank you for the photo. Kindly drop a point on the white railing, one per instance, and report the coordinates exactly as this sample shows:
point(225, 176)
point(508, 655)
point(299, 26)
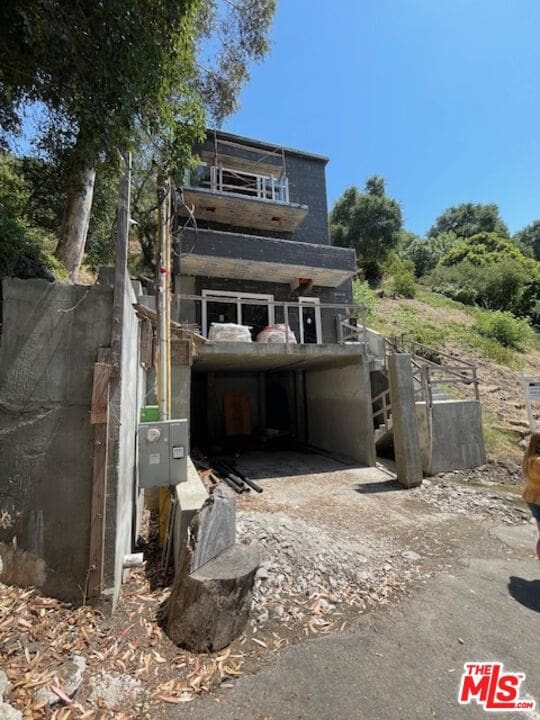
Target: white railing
point(239, 182)
point(290, 314)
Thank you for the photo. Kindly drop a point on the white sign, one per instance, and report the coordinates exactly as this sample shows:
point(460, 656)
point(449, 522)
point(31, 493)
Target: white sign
point(154, 458)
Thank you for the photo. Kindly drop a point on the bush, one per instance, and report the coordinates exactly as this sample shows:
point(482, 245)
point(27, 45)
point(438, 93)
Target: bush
point(403, 283)
point(364, 295)
point(496, 286)
point(402, 276)
point(504, 328)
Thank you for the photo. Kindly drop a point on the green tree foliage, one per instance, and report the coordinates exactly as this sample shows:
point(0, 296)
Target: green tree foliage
point(23, 248)
point(487, 270)
point(369, 222)
point(426, 253)
point(497, 286)
point(107, 74)
point(401, 273)
point(528, 240)
point(485, 249)
point(469, 219)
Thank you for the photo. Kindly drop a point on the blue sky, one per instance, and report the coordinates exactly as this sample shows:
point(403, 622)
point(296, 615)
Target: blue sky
point(441, 97)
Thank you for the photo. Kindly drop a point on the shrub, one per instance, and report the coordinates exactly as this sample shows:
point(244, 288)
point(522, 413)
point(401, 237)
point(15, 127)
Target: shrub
point(403, 283)
point(364, 295)
point(401, 272)
point(496, 286)
point(504, 328)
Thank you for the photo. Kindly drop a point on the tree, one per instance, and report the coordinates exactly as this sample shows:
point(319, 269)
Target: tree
point(108, 73)
point(528, 240)
point(22, 247)
point(426, 253)
point(487, 270)
point(369, 222)
point(469, 219)
point(485, 248)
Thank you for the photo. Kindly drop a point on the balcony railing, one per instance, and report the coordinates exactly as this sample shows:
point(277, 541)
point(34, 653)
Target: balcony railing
point(238, 182)
point(350, 320)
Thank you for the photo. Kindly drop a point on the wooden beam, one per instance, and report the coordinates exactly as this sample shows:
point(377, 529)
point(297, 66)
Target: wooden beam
point(99, 416)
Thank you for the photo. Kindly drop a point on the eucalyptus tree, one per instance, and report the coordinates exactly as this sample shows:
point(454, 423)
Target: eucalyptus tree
point(108, 74)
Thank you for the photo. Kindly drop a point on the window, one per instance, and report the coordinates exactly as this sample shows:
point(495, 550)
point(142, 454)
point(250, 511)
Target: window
point(226, 307)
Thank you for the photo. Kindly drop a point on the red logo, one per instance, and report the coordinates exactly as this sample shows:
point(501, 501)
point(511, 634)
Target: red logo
point(490, 686)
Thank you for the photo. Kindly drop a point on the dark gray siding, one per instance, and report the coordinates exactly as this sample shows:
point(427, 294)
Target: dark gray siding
point(307, 186)
point(256, 248)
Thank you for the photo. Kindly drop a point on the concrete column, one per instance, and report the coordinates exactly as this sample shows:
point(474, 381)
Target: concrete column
point(406, 440)
point(180, 391)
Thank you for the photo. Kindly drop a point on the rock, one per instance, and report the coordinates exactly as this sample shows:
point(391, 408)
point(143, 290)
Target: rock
point(411, 555)
point(5, 685)
point(209, 608)
point(114, 689)
point(7, 712)
point(70, 674)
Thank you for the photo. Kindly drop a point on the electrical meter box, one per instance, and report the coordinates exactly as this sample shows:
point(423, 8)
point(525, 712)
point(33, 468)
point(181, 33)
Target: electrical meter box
point(163, 452)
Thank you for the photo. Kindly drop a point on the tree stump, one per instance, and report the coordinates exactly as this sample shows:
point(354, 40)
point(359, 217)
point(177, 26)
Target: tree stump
point(209, 607)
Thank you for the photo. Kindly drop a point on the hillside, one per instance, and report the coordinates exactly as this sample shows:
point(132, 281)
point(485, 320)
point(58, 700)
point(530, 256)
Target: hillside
point(452, 327)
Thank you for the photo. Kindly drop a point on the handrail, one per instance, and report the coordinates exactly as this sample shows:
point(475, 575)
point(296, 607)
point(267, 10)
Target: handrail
point(351, 310)
point(263, 187)
point(460, 371)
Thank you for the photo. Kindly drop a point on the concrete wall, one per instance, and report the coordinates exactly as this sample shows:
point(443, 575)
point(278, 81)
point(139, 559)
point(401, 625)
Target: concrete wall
point(339, 411)
point(48, 347)
point(451, 436)
point(124, 500)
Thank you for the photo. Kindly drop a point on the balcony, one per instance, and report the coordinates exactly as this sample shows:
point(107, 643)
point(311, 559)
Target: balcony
point(311, 321)
point(238, 198)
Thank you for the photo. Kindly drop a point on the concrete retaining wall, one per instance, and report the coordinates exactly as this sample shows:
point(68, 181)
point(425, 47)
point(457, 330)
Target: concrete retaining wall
point(49, 343)
point(48, 347)
point(451, 436)
point(339, 411)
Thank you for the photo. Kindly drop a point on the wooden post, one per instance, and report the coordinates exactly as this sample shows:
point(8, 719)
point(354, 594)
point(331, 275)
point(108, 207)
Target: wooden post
point(99, 417)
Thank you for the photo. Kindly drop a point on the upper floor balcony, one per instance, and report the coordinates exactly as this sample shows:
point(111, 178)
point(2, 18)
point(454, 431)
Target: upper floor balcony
point(241, 198)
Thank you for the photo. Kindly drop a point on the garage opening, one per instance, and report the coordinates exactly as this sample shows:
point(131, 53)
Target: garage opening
point(315, 403)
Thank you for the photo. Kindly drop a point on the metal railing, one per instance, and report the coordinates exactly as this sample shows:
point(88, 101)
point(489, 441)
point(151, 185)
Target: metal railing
point(434, 369)
point(288, 312)
point(385, 409)
point(239, 182)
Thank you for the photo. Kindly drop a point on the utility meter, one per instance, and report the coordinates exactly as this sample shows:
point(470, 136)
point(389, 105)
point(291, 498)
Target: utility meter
point(163, 452)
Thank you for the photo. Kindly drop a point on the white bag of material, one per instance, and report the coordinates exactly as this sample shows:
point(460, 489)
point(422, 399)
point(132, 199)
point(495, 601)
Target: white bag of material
point(229, 332)
point(277, 334)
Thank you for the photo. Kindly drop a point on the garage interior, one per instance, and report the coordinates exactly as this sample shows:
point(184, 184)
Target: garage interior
point(265, 397)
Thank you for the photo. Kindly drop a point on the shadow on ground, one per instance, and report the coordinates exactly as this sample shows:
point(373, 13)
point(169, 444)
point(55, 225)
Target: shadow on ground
point(526, 592)
point(378, 487)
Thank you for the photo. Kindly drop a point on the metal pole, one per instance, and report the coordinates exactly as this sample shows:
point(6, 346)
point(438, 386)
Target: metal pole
point(161, 298)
